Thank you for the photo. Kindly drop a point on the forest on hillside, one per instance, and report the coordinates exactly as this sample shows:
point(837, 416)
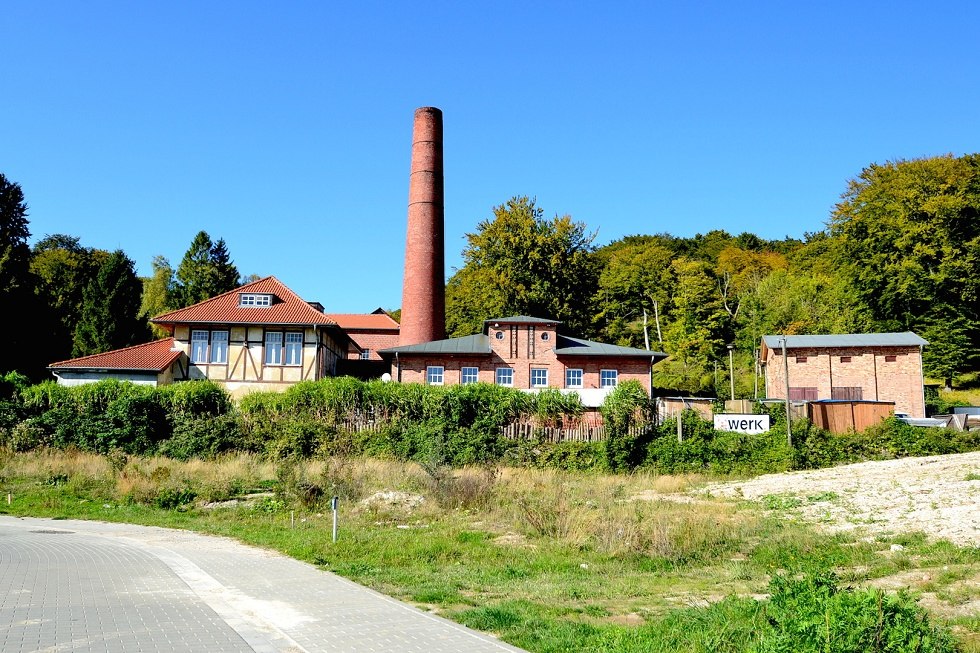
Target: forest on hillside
point(901, 251)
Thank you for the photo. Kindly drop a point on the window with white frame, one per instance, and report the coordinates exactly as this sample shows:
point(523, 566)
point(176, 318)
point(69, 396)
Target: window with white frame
point(273, 347)
point(199, 346)
point(539, 377)
point(434, 374)
point(294, 348)
point(573, 378)
point(365, 354)
point(251, 299)
point(505, 376)
point(283, 348)
point(608, 378)
point(469, 375)
point(219, 347)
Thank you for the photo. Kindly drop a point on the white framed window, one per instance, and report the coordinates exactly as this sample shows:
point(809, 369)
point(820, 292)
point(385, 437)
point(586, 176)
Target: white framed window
point(573, 378)
point(505, 376)
point(499, 335)
point(219, 347)
point(365, 354)
point(469, 375)
point(199, 346)
point(251, 299)
point(608, 378)
point(294, 348)
point(539, 377)
point(434, 374)
point(273, 347)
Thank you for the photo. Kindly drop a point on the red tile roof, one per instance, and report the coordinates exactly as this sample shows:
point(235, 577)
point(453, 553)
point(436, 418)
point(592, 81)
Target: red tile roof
point(153, 356)
point(364, 321)
point(287, 309)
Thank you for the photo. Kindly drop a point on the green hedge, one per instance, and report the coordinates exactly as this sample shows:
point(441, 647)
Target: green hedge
point(455, 425)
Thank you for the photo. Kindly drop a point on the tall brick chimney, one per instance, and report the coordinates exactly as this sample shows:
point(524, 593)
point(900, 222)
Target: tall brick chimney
point(424, 284)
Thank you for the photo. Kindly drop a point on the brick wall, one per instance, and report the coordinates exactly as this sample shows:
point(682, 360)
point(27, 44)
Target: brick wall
point(373, 340)
point(524, 348)
point(881, 373)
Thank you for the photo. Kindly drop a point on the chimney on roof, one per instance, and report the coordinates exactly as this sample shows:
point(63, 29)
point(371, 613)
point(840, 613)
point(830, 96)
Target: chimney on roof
point(423, 316)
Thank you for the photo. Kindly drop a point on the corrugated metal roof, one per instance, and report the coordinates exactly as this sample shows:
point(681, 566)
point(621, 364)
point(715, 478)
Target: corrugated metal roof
point(289, 309)
point(905, 338)
point(578, 347)
point(478, 344)
point(153, 356)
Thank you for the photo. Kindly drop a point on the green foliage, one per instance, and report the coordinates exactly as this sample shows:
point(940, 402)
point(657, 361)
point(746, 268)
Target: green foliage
point(17, 285)
point(813, 614)
point(723, 452)
point(158, 293)
point(911, 235)
point(204, 437)
point(205, 271)
point(110, 309)
point(519, 263)
point(625, 411)
point(196, 399)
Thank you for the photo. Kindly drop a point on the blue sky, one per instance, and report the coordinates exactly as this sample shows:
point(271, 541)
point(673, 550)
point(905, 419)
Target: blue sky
point(285, 128)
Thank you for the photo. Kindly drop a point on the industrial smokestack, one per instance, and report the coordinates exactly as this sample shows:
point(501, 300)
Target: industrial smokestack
point(424, 285)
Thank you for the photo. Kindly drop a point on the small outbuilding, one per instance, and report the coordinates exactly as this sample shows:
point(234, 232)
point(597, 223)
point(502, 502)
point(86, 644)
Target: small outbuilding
point(154, 363)
point(853, 367)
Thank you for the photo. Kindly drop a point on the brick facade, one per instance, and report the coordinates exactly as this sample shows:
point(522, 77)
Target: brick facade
point(424, 285)
point(523, 348)
point(881, 373)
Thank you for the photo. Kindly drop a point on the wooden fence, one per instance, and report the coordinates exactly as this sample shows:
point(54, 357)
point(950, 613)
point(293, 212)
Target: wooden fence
point(581, 430)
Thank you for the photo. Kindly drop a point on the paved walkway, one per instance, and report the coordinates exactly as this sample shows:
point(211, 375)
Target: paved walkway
point(68, 585)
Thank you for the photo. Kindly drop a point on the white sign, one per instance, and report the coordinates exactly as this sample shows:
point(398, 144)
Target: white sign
point(742, 423)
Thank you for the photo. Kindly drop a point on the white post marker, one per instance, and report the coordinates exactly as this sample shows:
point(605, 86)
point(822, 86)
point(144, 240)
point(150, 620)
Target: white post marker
point(333, 504)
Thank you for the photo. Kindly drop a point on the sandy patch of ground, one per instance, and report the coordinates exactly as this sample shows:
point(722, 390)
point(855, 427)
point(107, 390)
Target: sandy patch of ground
point(937, 495)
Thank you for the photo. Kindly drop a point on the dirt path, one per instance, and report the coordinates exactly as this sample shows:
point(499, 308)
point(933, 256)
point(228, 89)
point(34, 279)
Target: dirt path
point(937, 495)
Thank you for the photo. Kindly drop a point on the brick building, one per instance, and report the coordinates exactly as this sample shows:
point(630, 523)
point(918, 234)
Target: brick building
point(369, 333)
point(868, 366)
point(527, 353)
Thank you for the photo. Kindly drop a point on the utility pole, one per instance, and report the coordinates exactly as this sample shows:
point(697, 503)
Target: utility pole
point(789, 431)
point(731, 371)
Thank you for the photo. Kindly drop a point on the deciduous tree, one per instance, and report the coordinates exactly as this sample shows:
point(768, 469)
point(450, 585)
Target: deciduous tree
point(519, 262)
point(910, 233)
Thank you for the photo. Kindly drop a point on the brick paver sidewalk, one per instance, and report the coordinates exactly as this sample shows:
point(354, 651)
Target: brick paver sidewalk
point(70, 585)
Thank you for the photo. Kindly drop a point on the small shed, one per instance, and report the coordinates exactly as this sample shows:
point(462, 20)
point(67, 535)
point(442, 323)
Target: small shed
point(671, 406)
point(843, 416)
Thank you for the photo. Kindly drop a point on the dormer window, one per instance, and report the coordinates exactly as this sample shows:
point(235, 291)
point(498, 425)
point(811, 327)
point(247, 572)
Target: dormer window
point(253, 299)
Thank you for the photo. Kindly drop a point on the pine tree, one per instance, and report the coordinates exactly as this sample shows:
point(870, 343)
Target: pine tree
point(110, 309)
point(225, 272)
point(205, 271)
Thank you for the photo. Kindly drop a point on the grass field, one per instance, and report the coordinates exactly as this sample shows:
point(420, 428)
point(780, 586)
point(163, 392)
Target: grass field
point(548, 561)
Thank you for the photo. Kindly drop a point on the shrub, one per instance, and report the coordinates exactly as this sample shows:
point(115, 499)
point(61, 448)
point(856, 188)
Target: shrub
point(195, 399)
point(624, 410)
point(203, 437)
point(813, 614)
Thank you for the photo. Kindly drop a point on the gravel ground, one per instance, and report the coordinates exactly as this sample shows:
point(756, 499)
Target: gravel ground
point(937, 495)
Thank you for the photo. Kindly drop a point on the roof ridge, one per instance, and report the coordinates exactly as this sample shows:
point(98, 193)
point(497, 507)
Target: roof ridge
point(219, 296)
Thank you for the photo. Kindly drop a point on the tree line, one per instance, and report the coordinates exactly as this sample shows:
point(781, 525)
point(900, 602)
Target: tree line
point(70, 300)
point(900, 251)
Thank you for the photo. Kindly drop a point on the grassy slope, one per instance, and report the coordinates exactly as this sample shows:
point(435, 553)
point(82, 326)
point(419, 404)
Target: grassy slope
point(550, 562)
